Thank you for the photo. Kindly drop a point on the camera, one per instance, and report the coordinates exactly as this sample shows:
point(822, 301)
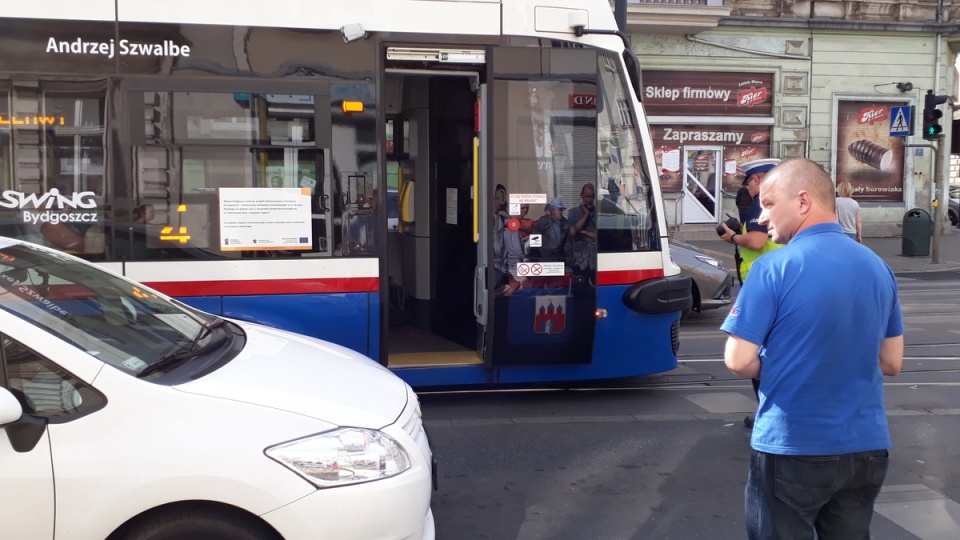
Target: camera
point(731, 222)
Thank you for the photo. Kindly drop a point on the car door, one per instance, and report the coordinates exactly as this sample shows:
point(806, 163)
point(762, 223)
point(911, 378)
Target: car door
point(26, 478)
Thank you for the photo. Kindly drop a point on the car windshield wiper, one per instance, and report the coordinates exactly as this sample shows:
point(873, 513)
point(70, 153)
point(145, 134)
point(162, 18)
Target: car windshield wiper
point(205, 330)
point(190, 352)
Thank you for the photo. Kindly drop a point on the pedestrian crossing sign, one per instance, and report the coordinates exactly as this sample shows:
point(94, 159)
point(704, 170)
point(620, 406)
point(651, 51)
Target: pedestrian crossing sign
point(900, 124)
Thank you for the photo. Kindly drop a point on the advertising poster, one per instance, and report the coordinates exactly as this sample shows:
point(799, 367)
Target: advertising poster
point(867, 156)
point(265, 219)
point(740, 144)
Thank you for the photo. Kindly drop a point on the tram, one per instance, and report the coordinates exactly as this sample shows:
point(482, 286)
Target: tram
point(464, 191)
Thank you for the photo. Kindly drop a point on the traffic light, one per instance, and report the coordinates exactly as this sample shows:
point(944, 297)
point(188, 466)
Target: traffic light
point(932, 116)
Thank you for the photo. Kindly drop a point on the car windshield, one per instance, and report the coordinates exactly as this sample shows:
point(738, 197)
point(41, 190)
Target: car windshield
point(118, 321)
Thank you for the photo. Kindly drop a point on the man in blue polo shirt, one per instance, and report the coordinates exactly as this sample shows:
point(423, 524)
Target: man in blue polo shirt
point(820, 439)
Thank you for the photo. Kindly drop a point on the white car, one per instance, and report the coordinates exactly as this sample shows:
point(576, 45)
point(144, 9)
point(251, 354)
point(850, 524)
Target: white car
point(127, 415)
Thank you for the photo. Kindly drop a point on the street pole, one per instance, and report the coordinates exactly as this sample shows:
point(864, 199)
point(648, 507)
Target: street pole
point(941, 189)
point(620, 15)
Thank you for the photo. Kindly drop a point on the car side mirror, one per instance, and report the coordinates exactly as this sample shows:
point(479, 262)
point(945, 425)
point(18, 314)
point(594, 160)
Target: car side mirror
point(10, 409)
point(23, 430)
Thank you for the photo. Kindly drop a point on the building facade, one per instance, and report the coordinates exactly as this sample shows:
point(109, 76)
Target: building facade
point(833, 81)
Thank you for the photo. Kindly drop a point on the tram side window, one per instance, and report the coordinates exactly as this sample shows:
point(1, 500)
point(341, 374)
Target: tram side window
point(6, 172)
point(52, 163)
point(627, 218)
point(229, 176)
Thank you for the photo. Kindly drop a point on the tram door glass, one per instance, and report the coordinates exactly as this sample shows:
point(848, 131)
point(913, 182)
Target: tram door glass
point(544, 144)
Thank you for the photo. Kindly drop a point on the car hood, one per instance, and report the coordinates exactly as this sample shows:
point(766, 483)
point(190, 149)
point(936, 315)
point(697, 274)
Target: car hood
point(306, 376)
point(686, 254)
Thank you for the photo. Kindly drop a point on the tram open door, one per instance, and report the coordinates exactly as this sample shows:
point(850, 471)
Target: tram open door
point(430, 332)
point(473, 284)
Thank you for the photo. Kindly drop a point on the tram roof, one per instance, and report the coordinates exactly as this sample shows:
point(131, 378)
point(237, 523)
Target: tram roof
point(478, 17)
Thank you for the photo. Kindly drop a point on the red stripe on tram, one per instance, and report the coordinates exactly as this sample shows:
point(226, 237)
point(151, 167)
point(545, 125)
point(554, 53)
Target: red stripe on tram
point(267, 286)
point(627, 277)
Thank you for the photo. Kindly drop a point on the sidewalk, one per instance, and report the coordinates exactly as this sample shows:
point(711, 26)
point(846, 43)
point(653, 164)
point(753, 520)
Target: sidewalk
point(888, 248)
point(891, 249)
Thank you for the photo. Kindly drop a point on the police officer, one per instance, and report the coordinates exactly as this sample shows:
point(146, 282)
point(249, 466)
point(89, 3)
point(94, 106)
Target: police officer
point(752, 240)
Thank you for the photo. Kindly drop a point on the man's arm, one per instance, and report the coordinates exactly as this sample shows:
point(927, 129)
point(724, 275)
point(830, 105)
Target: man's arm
point(753, 240)
point(891, 355)
point(859, 228)
point(750, 240)
point(742, 357)
point(579, 226)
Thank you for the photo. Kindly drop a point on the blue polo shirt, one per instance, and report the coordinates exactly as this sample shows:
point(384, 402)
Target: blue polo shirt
point(819, 308)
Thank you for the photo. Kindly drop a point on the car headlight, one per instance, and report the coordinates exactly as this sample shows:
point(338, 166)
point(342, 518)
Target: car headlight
point(343, 456)
point(708, 260)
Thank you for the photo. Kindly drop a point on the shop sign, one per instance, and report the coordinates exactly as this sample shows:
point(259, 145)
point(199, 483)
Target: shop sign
point(740, 144)
point(707, 93)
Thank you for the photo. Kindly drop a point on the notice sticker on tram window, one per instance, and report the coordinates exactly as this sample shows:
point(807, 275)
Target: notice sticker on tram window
point(536, 240)
point(538, 269)
point(265, 219)
point(308, 182)
point(514, 209)
point(528, 198)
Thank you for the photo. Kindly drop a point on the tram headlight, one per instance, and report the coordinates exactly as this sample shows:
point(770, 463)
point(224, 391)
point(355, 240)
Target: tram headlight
point(343, 456)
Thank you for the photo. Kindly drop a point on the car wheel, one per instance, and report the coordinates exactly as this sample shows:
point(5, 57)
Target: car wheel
point(695, 305)
point(192, 523)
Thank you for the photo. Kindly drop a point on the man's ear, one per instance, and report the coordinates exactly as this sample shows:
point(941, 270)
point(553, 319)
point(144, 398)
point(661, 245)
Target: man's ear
point(806, 201)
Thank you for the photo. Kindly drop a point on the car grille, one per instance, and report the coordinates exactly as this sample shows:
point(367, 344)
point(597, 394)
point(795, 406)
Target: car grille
point(412, 422)
point(675, 336)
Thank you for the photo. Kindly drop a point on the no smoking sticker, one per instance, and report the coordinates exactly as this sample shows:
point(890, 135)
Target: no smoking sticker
point(536, 269)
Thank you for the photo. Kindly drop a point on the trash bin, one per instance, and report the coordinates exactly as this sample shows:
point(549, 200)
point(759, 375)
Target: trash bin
point(917, 229)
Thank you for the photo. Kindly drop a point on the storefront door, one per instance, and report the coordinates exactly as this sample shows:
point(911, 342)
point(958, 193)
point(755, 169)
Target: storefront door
point(702, 168)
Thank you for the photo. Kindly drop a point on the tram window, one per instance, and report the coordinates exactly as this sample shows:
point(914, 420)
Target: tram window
point(187, 209)
point(6, 176)
point(229, 118)
point(59, 139)
point(398, 140)
point(627, 219)
point(59, 148)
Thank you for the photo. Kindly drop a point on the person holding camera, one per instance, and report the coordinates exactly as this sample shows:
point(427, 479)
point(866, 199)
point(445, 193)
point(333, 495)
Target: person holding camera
point(751, 239)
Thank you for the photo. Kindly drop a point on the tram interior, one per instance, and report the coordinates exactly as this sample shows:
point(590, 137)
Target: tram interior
point(431, 255)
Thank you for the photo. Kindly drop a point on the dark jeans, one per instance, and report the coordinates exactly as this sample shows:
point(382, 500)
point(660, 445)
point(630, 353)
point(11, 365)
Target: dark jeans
point(807, 497)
